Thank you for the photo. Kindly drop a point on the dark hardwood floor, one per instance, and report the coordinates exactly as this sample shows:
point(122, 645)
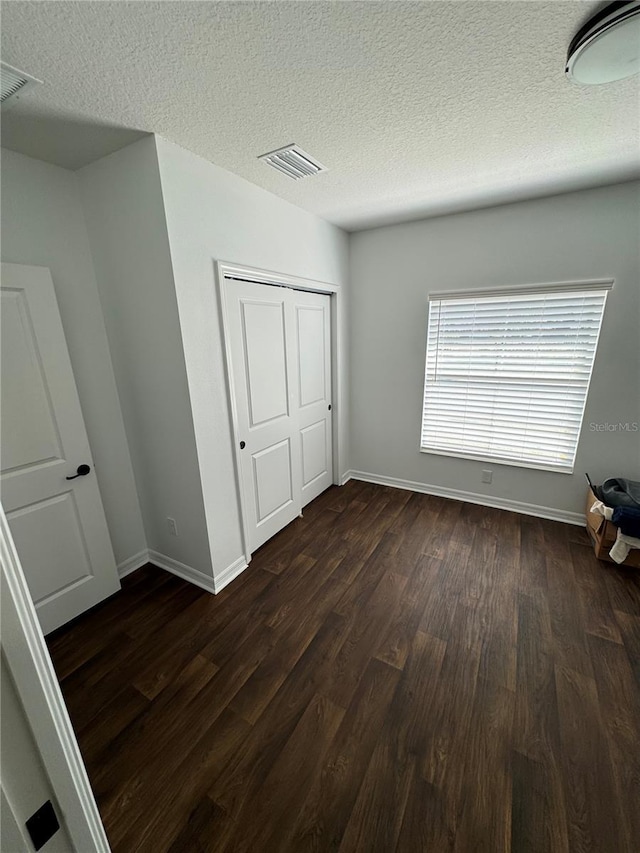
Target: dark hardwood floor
point(394, 672)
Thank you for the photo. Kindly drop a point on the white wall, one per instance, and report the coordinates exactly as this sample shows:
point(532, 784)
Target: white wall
point(215, 215)
point(43, 224)
point(583, 235)
point(126, 222)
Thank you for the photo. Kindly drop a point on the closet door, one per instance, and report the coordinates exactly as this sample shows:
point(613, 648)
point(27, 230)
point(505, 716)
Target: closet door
point(260, 323)
point(312, 336)
point(279, 341)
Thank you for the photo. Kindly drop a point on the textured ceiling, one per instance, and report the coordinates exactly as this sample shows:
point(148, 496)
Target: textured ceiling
point(415, 108)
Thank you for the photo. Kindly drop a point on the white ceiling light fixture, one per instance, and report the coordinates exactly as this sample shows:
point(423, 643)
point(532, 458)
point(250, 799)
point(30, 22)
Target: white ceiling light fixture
point(14, 83)
point(293, 162)
point(607, 48)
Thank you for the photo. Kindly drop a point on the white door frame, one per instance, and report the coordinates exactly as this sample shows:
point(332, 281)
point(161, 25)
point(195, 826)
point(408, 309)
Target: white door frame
point(226, 270)
point(37, 686)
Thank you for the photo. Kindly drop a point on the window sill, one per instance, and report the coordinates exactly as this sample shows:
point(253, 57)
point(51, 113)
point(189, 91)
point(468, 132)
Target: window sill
point(496, 460)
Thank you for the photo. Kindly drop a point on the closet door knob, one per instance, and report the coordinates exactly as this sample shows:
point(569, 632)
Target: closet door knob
point(242, 445)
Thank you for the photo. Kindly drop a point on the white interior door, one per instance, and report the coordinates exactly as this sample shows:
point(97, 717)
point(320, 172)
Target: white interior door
point(262, 357)
point(312, 341)
point(279, 342)
point(58, 524)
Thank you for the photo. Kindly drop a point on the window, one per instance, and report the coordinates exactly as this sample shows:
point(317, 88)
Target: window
point(508, 372)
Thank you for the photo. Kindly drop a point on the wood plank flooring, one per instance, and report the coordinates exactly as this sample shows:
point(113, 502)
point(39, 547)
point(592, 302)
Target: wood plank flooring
point(394, 672)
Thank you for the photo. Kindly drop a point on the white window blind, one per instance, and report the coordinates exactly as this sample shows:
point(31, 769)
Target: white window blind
point(507, 373)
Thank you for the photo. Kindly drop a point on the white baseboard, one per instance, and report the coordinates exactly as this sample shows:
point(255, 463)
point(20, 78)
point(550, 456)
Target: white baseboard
point(182, 571)
point(126, 567)
point(225, 577)
point(470, 497)
point(344, 479)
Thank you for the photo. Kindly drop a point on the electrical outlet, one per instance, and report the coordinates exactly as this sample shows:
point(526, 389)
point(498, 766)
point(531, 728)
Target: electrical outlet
point(173, 527)
point(487, 475)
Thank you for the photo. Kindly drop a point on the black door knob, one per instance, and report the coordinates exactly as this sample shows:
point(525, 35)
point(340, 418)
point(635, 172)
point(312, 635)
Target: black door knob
point(329, 406)
point(81, 471)
point(242, 445)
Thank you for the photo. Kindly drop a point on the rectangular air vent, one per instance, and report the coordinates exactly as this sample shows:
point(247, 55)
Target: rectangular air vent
point(14, 83)
point(293, 161)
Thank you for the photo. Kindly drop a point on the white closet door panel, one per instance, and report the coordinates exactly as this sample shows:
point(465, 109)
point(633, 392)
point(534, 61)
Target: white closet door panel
point(312, 313)
point(314, 451)
point(262, 362)
point(279, 344)
point(272, 479)
point(266, 360)
point(312, 356)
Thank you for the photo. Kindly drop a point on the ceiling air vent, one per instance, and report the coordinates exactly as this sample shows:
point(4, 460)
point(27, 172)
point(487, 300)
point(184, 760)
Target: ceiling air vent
point(293, 161)
point(14, 83)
